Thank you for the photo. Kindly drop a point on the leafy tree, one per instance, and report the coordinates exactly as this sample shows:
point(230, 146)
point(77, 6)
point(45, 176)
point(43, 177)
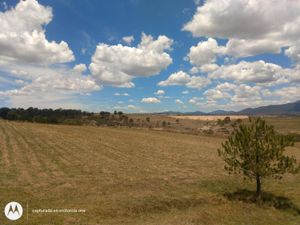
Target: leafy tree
point(13, 115)
point(257, 151)
point(130, 122)
point(104, 114)
point(226, 120)
point(220, 122)
point(4, 112)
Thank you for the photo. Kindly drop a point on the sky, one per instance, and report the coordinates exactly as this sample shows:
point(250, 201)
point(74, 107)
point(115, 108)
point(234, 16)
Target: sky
point(149, 56)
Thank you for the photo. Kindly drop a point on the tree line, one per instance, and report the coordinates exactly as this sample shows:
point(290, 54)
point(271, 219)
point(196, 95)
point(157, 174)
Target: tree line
point(66, 116)
point(76, 117)
point(42, 115)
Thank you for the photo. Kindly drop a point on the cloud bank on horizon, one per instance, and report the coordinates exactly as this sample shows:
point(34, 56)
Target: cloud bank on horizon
point(227, 55)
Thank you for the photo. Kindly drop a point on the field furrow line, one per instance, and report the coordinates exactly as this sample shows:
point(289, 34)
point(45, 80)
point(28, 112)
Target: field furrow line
point(67, 150)
point(54, 165)
point(36, 149)
point(63, 150)
point(34, 165)
point(21, 158)
point(8, 155)
point(5, 163)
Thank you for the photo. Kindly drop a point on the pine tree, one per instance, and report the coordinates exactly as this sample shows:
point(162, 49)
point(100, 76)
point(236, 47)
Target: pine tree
point(257, 152)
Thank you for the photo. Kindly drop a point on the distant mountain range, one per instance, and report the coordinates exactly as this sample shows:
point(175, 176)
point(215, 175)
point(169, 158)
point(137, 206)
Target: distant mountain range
point(289, 108)
point(283, 109)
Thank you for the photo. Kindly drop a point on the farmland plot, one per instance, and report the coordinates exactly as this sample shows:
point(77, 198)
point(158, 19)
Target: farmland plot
point(126, 176)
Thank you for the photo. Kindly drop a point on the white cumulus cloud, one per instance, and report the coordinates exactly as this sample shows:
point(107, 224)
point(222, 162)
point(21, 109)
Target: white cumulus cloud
point(160, 92)
point(293, 52)
point(182, 78)
point(80, 68)
point(150, 100)
point(277, 24)
point(117, 65)
point(256, 72)
point(179, 102)
point(23, 38)
point(205, 52)
point(128, 39)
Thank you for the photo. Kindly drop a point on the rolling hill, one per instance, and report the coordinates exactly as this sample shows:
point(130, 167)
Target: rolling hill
point(283, 109)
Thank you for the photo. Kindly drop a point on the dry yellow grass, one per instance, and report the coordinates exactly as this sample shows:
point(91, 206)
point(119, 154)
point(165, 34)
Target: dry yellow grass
point(126, 176)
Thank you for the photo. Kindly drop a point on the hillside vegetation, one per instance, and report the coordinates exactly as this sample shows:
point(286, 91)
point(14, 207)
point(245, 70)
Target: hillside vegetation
point(129, 176)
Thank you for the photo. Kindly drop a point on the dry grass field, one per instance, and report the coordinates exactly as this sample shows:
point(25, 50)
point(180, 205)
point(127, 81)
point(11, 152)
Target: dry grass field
point(130, 176)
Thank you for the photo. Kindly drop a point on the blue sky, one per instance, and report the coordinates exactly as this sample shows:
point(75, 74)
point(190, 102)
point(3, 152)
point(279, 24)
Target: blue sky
point(149, 56)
